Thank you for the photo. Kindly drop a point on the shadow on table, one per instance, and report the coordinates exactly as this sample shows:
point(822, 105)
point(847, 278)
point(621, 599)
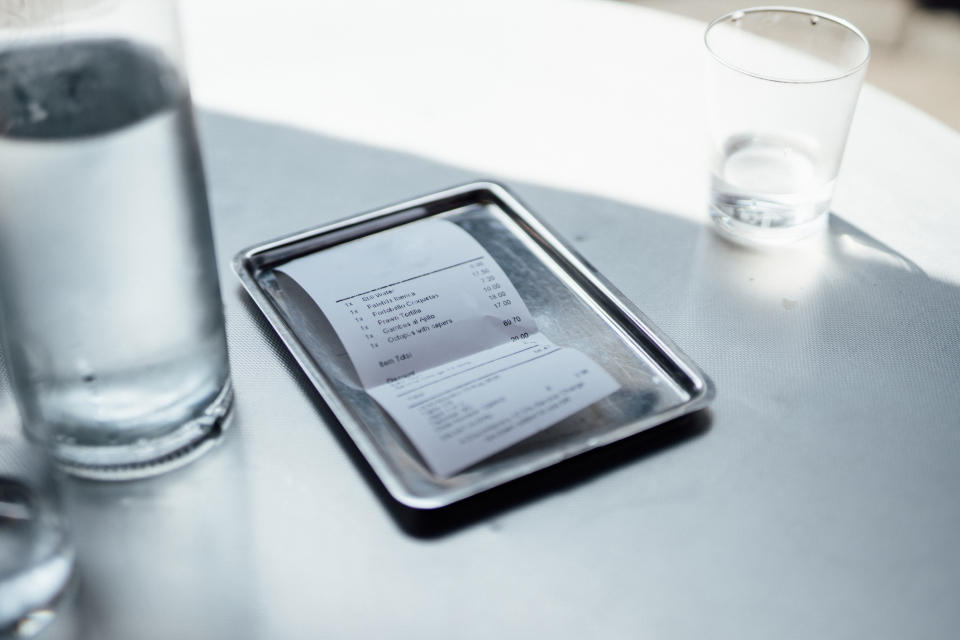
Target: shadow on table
point(840, 339)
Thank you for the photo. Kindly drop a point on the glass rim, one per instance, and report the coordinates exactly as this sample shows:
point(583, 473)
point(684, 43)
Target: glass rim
point(846, 24)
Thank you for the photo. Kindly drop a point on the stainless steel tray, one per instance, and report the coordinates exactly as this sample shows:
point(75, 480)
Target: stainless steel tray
point(572, 304)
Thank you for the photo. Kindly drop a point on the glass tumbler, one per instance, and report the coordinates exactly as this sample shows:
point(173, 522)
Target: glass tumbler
point(782, 85)
point(36, 557)
point(111, 310)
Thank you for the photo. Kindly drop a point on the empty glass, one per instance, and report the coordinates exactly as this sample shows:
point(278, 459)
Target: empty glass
point(782, 85)
point(110, 298)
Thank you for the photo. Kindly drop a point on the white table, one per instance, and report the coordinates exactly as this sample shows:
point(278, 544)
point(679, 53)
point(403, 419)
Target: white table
point(818, 498)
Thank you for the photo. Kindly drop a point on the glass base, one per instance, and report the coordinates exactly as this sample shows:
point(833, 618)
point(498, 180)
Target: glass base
point(38, 592)
point(150, 457)
point(36, 557)
point(750, 234)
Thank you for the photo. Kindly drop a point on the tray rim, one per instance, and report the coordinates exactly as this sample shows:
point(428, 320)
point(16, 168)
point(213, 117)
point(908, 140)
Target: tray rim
point(248, 262)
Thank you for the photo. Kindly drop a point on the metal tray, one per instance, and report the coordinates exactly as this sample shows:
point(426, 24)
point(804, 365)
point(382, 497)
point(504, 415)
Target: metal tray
point(572, 304)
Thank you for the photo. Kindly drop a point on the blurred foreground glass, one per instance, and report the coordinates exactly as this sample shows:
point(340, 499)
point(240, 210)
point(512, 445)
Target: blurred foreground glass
point(36, 558)
point(111, 306)
point(782, 85)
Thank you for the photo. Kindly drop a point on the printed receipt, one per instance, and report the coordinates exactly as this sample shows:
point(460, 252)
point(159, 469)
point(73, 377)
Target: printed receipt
point(441, 339)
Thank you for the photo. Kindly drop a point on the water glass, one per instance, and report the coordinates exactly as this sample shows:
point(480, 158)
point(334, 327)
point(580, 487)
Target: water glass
point(111, 310)
point(782, 85)
point(36, 557)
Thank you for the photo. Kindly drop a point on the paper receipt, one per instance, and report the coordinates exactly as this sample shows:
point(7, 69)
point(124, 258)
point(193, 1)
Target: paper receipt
point(441, 339)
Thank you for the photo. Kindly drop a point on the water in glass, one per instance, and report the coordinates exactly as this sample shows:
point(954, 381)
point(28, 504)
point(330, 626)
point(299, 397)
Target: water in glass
point(111, 303)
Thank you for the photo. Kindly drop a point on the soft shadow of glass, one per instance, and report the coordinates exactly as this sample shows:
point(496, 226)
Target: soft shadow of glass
point(787, 274)
point(840, 322)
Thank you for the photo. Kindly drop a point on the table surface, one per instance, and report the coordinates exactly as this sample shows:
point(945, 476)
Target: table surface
point(817, 498)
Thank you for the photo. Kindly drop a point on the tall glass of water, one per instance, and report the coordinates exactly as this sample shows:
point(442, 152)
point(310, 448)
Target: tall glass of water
point(782, 85)
point(111, 311)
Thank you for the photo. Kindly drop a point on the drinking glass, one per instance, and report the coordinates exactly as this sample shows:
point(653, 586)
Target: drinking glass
point(782, 85)
point(36, 557)
point(111, 311)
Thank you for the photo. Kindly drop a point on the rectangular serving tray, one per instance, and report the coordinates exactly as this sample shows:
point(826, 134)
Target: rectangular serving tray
point(572, 304)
